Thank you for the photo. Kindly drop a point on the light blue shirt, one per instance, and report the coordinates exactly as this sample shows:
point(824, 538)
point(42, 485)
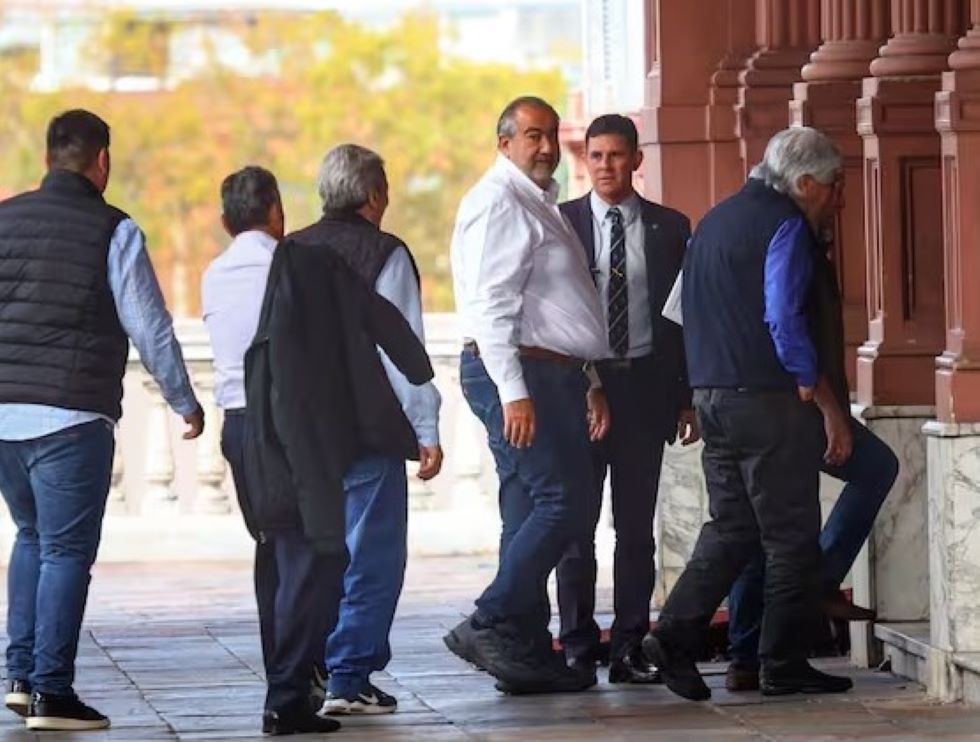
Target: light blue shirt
point(144, 318)
point(397, 283)
point(638, 293)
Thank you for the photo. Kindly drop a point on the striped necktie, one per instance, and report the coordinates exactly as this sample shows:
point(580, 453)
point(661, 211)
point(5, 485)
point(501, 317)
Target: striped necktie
point(617, 295)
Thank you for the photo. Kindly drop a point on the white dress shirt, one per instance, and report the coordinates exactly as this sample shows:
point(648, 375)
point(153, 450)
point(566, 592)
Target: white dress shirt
point(232, 289)
point(638, 291)
point(521, 277)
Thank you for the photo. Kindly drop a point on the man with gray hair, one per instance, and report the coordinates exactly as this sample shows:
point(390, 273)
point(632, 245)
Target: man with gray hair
point(354, 189)
point(754, 364)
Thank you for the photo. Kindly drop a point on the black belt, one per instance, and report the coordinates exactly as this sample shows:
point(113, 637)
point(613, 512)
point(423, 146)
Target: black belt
point(624, 364)
point(235, 411)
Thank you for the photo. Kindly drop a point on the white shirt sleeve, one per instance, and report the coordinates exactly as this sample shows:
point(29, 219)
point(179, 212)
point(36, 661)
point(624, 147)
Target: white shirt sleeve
point(499, 242)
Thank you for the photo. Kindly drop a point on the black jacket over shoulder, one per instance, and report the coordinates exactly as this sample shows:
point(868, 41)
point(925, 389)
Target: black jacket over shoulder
point(317, 394)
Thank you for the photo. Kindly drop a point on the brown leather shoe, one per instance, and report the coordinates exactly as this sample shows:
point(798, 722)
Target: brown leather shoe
point(835, 605)
point(741, 678)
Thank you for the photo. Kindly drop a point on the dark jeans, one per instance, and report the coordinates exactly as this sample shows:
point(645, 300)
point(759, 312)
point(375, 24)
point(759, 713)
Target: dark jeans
point(632, 453)
point(377, 530)
point(869, 473)
point(543, 489)
point(761, 465)
point(297, 592)
point(56, 489)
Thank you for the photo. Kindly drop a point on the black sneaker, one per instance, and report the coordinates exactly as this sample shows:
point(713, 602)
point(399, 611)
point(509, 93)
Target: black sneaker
point(18, 698)
point(367, 701)
point(549, 675)
point(461, 641)
point(63, 713)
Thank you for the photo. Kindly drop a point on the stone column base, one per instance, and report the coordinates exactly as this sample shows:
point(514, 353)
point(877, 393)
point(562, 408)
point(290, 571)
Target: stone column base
point(891, 574)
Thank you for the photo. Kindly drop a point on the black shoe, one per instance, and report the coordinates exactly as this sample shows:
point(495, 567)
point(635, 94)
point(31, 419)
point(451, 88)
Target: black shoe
point(633, 668)
point(742, 677)
point(799, 676)
point(18, 698)
point(63, 713)
point(679, 672)
point(550, 675)
point(461, 641)
point(296, 721)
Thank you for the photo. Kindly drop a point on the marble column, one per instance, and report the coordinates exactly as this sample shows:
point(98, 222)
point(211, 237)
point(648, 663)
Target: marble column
point(954, 439)
point(903, 205)
point(787, 31)
point(853, 31)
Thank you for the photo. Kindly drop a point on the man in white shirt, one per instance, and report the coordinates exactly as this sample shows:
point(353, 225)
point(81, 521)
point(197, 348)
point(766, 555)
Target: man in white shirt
point(296, 589)
point(531, 319)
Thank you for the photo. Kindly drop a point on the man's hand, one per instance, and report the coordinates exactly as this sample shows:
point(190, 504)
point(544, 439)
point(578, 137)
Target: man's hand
point(196, 422)
point(519, 423)
point(687, 427)
point(430, 462)
point(840, 438)
point(598, 414)
point(805, 392)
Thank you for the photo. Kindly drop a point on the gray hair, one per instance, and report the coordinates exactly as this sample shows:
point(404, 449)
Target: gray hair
point(507, 123)
point(348, 176)
point(795, 152)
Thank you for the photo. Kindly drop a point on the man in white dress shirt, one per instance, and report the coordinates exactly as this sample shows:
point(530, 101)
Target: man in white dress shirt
point(296, 589)
point(531, 319)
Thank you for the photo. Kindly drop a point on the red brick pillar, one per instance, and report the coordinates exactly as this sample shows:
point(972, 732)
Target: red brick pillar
point(903, 204)
point(787, 31)
point(727, 169)
point(673, 124)
point(853, 31)
point(958, 122)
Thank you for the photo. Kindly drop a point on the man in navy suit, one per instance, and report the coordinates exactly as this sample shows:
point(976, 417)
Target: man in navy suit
point(635, 249)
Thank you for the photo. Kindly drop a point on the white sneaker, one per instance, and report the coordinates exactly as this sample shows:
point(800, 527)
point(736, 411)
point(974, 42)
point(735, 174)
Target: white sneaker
point(368, 700)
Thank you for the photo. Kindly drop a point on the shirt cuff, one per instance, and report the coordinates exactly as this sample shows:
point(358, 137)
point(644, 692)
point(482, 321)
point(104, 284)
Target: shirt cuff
point(428, 436)
point(807, 378)
point(185, 404)
point(512, 391)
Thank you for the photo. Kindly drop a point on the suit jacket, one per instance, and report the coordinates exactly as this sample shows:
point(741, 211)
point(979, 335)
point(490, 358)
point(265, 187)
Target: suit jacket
point(317, 395)
point(666, 232)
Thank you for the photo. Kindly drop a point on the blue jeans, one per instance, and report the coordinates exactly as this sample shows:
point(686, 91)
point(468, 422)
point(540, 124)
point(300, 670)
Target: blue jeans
point(869, 474)
point(543, 489)
point(377, 527)
point(56, 489)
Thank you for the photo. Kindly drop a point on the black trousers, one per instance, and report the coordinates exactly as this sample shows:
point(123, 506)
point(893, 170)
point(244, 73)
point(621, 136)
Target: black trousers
point(631, 454)
point(297, 592)
point(761, 465)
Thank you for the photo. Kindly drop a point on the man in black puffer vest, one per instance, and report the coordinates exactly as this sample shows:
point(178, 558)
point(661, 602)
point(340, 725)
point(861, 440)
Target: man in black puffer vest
point(755, 368)
point(75, 281)
point(354, 189)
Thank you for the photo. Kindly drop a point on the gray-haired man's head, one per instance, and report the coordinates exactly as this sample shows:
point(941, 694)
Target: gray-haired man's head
point(352, 179)
point(805, 164)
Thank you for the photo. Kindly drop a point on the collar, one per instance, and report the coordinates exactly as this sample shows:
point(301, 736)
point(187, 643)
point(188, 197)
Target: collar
point(255, 237)
point(70, 182)
point(630, 207)
point(513, 174)
point(349, 216)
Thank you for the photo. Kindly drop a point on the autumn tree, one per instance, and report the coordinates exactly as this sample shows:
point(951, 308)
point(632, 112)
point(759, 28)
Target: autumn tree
point(314, 80)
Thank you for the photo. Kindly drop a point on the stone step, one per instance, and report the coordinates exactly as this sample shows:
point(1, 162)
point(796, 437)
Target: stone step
point(906, 647)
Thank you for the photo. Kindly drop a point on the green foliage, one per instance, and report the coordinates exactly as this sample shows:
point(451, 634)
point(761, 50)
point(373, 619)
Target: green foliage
point(322, 80)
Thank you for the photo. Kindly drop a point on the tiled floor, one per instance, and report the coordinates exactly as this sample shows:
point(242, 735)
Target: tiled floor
point(171, 652)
